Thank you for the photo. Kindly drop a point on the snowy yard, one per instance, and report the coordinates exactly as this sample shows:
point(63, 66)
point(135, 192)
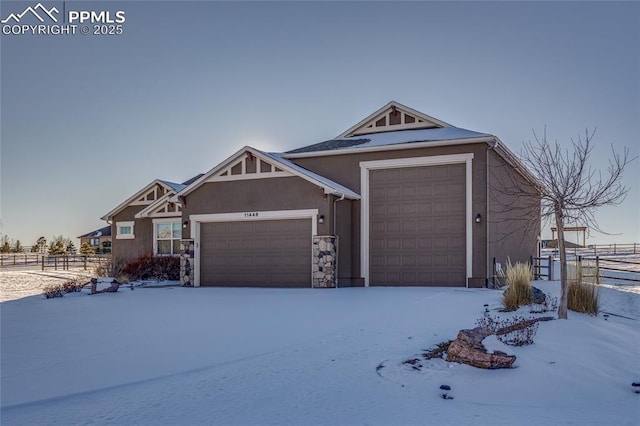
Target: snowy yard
point(280, 356)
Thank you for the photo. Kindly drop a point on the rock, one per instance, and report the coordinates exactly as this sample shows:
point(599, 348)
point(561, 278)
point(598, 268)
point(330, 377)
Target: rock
point(538, 296)
point(445, 387)
point(468, 349)
point(636, 387)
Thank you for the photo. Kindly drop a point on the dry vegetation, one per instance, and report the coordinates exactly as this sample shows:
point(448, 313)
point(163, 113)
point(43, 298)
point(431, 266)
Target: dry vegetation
point(583, 298)
point(519, 292)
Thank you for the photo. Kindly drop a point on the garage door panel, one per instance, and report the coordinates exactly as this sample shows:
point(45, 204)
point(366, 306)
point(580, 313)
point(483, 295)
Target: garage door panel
point(417, 235)
point(269, 253)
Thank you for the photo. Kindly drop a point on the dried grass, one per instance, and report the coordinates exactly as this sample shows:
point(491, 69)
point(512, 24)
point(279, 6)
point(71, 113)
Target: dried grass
point(519, 293)
point(583, 297)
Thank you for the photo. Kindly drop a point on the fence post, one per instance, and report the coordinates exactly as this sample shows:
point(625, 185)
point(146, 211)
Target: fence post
point(550, 272)
point(597, 269)
point(14, 260)
point(55, 262)
point(85, 262)
point(43, 262)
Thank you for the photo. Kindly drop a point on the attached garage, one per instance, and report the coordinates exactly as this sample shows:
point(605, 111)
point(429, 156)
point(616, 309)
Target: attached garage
point(261, 253)
point(415, 221)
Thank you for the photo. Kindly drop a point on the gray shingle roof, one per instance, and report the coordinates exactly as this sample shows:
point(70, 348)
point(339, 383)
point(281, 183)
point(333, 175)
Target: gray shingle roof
point(102, 232)
point(391, 138)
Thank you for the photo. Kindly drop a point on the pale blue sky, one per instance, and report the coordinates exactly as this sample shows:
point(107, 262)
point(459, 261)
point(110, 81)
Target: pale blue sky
point(86, 121)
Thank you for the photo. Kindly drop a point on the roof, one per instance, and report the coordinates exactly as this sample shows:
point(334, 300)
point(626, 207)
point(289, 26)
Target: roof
point(102, 232)
point(368, 125)
point(177, 187)
point(325, 182)
point(193, 179)
point(392, 138)
point(329, 186)
point(167, 184)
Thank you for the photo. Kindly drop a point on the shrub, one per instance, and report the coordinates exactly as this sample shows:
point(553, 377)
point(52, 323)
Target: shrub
point(111, 268)
point(515, 331)
point(59, 290)
point(149, 266)
point(519, 292)
point(583, 298)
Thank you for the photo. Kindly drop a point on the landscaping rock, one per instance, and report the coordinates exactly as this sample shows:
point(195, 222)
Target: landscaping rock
point(538, 296)
point(468, 349)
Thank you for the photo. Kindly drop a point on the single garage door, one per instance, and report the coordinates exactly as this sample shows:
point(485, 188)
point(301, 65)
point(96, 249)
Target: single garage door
point(417, 226)
point(266, 253)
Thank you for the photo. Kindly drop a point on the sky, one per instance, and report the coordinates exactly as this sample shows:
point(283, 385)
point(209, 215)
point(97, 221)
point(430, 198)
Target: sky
point(88, 120)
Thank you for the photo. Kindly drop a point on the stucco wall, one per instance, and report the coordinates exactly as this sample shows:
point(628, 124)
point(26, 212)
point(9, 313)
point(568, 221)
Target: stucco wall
point(142, 230)
point(514, 220)
point(345, 169)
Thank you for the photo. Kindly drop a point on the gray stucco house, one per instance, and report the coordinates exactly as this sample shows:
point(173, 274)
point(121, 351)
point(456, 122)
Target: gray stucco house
point(399, 199)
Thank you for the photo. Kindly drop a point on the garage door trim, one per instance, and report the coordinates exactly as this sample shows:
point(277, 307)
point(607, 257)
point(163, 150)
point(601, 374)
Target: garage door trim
point(197, 219)
point(366, 166)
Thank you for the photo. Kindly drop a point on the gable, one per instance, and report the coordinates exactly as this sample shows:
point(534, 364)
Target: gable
point(145, 197)
point(163, 207)
point(248, 165)
point(393, 117)
point(148, 197)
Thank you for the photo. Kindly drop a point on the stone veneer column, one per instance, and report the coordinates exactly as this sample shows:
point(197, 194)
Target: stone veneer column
point(186, 262)
point(324, 262)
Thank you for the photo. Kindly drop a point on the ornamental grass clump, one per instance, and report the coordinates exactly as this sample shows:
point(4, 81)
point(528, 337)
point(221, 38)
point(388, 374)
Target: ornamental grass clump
point(519, 293)
point(583, 298)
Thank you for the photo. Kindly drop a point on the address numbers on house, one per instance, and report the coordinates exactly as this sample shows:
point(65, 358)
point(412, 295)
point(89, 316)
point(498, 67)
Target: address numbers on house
point(251, 214)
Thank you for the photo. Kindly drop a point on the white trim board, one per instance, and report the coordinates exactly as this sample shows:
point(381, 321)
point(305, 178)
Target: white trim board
point(366, 166)
point(250, 216)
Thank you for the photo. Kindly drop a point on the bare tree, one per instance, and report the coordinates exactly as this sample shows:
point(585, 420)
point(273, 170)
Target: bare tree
point(571, 191)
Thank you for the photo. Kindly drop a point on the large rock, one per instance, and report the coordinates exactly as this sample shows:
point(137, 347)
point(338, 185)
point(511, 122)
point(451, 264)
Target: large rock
point(468, 349)
point(538, 296)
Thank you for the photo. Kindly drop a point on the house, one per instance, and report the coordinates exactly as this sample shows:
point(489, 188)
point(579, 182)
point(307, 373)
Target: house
point(99, 240)
point(399, 199)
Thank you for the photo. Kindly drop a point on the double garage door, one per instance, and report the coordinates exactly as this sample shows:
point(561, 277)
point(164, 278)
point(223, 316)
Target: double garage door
point(417, 226)
point(262, 253)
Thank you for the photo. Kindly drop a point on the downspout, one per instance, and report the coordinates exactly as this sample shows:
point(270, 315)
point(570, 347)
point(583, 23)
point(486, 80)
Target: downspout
point(335, 227)
point(487, 221)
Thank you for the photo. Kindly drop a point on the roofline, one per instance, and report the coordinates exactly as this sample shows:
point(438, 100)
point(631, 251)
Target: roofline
point(516, 163)
point(327, 189)
point(131, 199)
point(166, 197)
point(392, 147)
point(380, 110)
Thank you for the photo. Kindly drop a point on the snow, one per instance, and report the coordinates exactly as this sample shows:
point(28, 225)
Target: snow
point(493, 345)
point(419, 135)
point(172, 355)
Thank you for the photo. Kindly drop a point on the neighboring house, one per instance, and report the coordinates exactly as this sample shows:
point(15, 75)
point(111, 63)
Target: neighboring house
point(97, 239)
point(401, 198)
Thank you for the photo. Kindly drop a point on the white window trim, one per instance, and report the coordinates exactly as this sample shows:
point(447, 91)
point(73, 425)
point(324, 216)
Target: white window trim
point(174, 219)
point(120, 236)
point(197, 219)
point(366, 166)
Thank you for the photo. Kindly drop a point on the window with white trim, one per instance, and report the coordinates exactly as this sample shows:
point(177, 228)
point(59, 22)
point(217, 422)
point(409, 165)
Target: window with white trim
point(124, 230)
point(166, 236)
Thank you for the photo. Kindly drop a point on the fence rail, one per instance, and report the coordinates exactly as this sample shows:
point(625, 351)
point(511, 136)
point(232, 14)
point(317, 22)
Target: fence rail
point(594, 270)
point(56, 262)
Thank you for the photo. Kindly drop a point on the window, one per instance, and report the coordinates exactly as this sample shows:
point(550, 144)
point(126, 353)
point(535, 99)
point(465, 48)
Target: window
point(125, 230)
point(94, 241)
point(167, 235)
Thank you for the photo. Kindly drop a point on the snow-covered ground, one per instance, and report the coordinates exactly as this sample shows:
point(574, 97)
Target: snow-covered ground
point(188, 356)
point(18, 282)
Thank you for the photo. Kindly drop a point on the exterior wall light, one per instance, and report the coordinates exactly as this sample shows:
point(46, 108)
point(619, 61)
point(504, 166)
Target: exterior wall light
point(184, 225)
point(321, 218)
point(478, 218)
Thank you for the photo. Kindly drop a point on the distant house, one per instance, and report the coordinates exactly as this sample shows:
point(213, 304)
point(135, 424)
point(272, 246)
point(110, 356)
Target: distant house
point(99, 240)
point(399, 199)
